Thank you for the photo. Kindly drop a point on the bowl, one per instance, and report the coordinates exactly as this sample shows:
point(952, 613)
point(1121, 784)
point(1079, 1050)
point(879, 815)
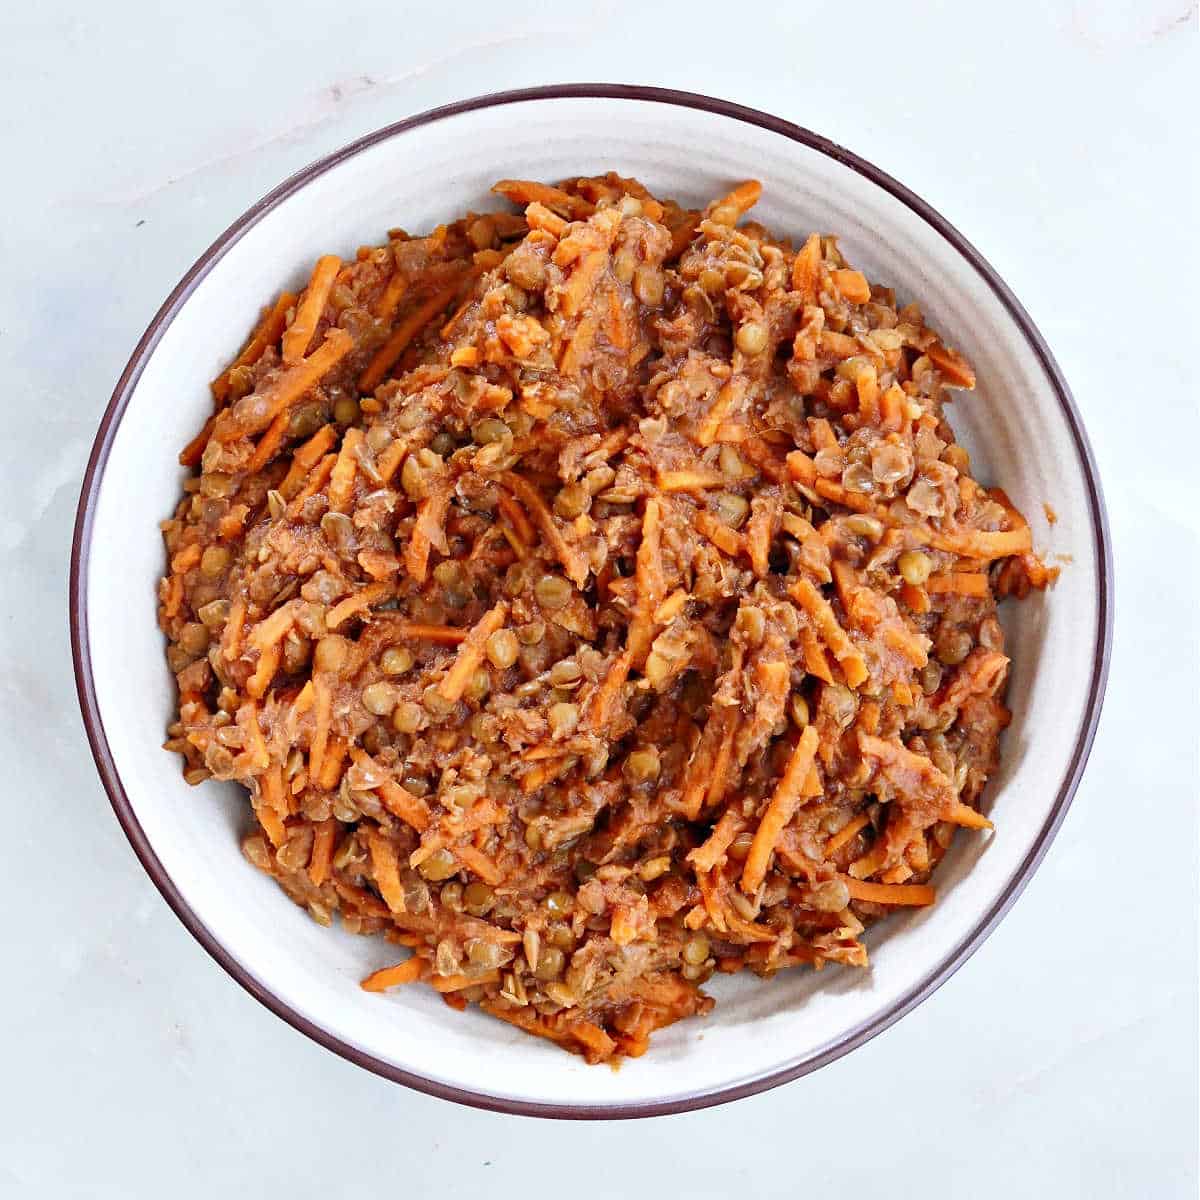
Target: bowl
point(1021, 427)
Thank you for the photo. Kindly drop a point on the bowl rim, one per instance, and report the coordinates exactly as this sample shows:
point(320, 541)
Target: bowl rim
point(110, 776)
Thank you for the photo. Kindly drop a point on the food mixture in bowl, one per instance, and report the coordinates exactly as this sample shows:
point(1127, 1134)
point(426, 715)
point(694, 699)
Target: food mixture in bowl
point(593, 598)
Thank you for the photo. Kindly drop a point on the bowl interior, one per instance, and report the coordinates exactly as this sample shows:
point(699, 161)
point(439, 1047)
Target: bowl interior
point(1014, 425)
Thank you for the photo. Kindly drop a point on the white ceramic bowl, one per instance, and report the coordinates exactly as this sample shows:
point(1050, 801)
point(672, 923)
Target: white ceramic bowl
point(1022, 430)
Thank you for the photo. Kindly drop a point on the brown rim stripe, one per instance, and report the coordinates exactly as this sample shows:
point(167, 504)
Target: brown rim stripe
point(85, 684)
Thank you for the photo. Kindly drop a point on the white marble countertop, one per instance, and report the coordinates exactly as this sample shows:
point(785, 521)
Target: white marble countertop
point(1062, 1059)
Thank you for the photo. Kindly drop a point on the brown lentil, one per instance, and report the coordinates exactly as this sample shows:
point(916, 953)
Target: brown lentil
point(752, 338)
point(441, 864)
point(552, 591)
point(502, 648)
point(396, 660)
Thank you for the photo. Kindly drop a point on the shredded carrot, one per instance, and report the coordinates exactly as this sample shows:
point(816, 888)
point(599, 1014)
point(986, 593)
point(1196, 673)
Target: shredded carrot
point(579, 345)
point(385, 869)
point(955, 369)
point(256, 412)
point(544, 751)
point(969, 818)
point(193, 452)
point(806, 270)
point(274, 828)
point(268, 664)
point(728, 399)
point(858, 501)
point(471, 652)
point(269, 329)
point(822, 434)
point(866, 384)
point(389, 461)
point(322, 851)
point(975, 543)
point(300, 332)
point(672, 606)
point(815, 662)
point(363, 901)
point(322, 709)
point(272, 788)
point(527, 191)
point(762, 455)
point(341, 478)
point(543, 219)
point(305, 458)
point(230, 525)
point(783, 804)
point(649, 581)
point(431, 516)
point(737, 202)
point(172, 595)
point(873, 861)
point(690, 480)
point(331, 765)
point(604, 700)
point(899, 637)
point(359, 602)
point(541, 774)
point(958, 583)
point(765, 512)
point(718, 781)
point(593, 1038)
point(582, 280)
point(269, 443)
point(835, 637)
point(891, 408)
point(614, 325)
point(846, 834)
point(812, 784)
point(187, 558)
point(231, 638)
point(574, 563)
point(846, 580)
point(479, 863)
point(409, 971)
point(853, 286)
point(801, 468)
point(917, 598)
point(711, 853)
point(316, 481)
point(837, 346)
point(681, 236)
point(442, 635)
point(889, 893)
point(397, 800)
point(698, 774)
point(390, 297)
point(401, 337)
point(725, 539)
point(457, 983)
point(271, 630)
point(514, 514)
